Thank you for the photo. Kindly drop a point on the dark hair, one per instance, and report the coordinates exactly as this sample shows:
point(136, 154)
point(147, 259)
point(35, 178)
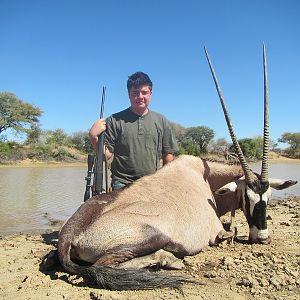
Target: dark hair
point(137, 79)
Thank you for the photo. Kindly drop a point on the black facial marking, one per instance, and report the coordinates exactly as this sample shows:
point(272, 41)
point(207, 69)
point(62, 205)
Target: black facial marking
point(264, 186)
point(259, 216)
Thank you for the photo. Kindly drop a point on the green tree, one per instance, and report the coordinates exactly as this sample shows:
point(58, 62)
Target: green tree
point(186, 146)
point(16, 114)
point(33, 134)
point(251, 147)
point(200, 136)
point(11, 151)
point(293, 140)
point(57, 137)
point(80, 141)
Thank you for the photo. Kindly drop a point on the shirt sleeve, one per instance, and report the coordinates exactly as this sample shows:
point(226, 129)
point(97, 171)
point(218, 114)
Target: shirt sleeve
point(110, 134)
point(169, 142)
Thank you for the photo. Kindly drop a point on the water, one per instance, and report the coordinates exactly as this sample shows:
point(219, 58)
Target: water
point(283, 171)
point(30, 197)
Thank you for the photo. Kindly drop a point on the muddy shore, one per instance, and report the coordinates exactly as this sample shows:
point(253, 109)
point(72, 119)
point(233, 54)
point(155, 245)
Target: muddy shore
point(238, 271)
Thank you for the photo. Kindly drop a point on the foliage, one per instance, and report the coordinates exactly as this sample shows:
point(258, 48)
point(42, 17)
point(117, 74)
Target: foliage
point(33, 134)
point(200, 136)
point(39, 152)
point(58, 145)
point(17, 114)
point(11, 151)
point(4, 149)
point(186, 146)
point(48, 152)
point(293, 140)
point(273, 145)
point(251, 147)
point(45, 145)
point(57, 137)
point(61, 154)
point(80, 141)
point(220, 146)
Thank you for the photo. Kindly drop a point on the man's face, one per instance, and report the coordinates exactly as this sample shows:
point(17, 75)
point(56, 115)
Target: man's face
point(140, 98)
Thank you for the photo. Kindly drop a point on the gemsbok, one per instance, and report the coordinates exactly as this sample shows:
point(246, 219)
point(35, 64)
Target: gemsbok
point(161, 218)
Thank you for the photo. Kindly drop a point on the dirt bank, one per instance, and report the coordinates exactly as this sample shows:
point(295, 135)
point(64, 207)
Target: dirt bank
point(239, 271)
point(273, 157)
point(41, 164)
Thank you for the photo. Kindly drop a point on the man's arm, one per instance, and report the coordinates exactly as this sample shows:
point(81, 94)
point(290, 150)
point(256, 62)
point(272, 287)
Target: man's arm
point(98, 127)
point(167, 158)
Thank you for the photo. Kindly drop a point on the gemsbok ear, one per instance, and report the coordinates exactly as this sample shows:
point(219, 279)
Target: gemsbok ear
point(280, 184)
point(227, 188)
point(232, 186)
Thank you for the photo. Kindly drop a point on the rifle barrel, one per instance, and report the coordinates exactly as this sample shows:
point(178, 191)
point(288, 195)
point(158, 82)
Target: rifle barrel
point(98, 167)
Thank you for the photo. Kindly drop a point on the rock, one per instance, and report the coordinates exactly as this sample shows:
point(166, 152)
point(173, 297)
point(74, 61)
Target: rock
point(228, 261)
point(263, 282)
point(248, 281)
point(210, 274)
point(104, 296)
point(286, 223)
point(275, 282)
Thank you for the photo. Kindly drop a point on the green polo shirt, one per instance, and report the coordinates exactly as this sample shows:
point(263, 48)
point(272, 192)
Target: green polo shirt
point(138, 143)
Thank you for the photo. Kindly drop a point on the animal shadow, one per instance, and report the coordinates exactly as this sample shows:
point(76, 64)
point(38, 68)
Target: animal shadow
point(240, 239)
point(51, 265)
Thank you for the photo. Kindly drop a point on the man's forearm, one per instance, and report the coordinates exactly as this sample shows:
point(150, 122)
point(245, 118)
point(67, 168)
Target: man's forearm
point(167, 158)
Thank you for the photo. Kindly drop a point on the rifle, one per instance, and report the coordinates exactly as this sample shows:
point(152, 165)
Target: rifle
point(98, 165)
point(88, 178)
point(95, 164)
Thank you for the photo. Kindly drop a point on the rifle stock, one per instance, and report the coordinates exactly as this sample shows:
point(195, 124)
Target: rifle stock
point(98, 167)
point(88, 178)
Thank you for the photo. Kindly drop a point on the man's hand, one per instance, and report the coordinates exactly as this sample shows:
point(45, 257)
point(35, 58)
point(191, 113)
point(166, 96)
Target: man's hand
point(98, 127)
point(168, 158)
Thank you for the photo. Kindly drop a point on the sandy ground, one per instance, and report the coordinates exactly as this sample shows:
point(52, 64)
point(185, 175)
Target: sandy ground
point(238, 271)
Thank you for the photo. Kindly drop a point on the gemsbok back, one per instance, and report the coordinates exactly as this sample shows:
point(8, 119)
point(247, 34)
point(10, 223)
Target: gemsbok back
point(161, 218)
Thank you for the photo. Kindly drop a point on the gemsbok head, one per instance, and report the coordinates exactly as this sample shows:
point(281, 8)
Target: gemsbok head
point(253, 190)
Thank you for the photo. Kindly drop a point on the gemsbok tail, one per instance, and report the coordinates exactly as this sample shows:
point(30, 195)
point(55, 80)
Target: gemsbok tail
point(119, 279)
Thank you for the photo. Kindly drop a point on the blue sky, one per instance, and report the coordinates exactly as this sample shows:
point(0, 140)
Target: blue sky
point(57, 55)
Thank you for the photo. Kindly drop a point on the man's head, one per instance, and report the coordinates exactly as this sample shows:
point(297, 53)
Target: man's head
point(138, 79)
point(139, 88)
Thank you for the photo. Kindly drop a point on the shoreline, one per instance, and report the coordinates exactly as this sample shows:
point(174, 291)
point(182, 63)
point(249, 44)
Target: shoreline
point(42, 164)
point(80, 163)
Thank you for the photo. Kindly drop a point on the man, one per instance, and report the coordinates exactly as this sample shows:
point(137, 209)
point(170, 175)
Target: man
point(137, 137)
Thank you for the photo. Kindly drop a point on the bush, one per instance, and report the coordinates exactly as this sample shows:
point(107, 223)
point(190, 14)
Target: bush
point(251, 148)
point(4, 150)
point(60, 154)
point(11, 151)
point(39, 152)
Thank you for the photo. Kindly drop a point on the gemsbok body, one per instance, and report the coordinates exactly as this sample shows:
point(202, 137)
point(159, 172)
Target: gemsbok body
point(161, 218)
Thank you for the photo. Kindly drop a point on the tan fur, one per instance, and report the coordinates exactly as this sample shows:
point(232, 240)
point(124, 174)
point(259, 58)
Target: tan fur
point(176, 202)
point(157, 220)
